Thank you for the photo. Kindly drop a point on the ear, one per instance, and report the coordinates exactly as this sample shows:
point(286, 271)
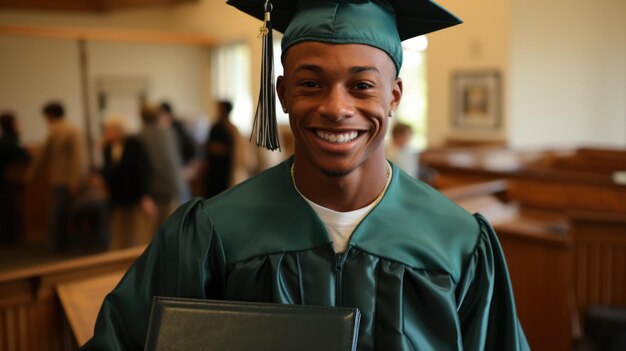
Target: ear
point(396, 94)
point(280, 90)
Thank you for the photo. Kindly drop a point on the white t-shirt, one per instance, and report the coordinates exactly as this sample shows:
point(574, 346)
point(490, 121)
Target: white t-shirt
point(340, 225)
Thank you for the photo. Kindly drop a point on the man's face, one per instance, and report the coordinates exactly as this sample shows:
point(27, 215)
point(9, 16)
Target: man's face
point(339, 98)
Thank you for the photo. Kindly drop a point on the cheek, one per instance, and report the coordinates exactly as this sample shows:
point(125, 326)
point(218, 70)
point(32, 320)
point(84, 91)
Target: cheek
point(293, 124)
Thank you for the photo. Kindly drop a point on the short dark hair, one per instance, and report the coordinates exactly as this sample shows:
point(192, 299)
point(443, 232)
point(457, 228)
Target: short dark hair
point(226, 105)
point(7, 122)
point(166, 107)
point(53, 110)
point(149, 113)
point(401, 128)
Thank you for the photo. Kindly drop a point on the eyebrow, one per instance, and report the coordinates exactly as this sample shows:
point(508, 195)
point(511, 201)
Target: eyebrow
point(312, 68)
point(355, 69)
point(359, 69)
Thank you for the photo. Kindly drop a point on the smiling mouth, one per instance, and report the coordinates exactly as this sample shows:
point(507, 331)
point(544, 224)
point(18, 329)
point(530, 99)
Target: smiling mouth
point(337, 138)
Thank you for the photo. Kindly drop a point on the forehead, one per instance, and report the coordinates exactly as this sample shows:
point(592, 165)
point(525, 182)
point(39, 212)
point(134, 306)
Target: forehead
point(337, 56)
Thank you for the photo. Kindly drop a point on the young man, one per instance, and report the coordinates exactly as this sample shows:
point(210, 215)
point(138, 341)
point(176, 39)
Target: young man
point(220, 151)
point(399, 150)
point(166, 183)
point(61, 154)
point(336, 225)
point(127, 173)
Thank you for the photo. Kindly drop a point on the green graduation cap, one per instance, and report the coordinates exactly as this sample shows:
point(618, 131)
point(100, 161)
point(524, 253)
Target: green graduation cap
point(379, 23)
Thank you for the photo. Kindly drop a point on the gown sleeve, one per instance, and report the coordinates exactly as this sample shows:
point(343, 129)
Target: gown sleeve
point(485, 300)
point(184, 259)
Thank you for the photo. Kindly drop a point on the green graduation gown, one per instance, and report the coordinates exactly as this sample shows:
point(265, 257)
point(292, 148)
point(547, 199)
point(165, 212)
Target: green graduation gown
point(425, 274)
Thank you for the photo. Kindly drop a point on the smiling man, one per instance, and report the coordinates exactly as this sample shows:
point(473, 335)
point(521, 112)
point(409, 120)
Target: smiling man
point(339, 99)
point(336, 224)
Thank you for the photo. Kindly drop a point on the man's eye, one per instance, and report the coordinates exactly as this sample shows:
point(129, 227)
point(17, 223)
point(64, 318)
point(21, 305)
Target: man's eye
point(362, 86)
point(309, 84)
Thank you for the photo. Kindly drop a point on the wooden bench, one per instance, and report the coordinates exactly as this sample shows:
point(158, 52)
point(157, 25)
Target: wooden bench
point(537, 178)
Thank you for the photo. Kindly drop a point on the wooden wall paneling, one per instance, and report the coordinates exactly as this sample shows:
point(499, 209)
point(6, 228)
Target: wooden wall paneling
point(538, 254)
point(541, 273)
point(34, 211)
point(600, 259)
point(31, 316)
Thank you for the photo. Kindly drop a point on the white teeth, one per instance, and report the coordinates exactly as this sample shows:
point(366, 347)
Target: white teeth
point(337, 138)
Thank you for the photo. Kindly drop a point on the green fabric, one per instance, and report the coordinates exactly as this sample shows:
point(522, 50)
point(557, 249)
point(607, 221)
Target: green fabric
point(339, 22)
point(425, 274)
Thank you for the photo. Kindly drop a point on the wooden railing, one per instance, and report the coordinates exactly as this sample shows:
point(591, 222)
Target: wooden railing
point(31, 317)
point(539, 255)
point(599, 259)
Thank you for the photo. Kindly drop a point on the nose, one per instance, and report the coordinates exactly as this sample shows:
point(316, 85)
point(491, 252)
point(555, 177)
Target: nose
point(337, 104)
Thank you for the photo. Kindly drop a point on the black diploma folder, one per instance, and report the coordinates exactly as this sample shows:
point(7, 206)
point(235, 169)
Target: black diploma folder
point(195, 324)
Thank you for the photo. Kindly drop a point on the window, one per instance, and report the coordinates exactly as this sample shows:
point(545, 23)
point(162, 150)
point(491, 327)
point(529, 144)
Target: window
point(281, 116)
point(412, 109)
point(231, 81)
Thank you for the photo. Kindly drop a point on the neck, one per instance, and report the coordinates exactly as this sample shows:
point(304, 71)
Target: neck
point(356, 189)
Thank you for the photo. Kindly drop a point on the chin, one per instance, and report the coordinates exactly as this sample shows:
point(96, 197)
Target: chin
point(333, 173)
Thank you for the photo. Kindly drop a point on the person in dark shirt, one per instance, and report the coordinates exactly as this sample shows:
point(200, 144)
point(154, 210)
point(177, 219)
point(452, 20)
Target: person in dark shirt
point(220, 151)
point(127, 175)
point(11, 154)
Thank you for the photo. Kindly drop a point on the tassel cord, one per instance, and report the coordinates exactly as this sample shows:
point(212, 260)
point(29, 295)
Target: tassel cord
point(265, 126)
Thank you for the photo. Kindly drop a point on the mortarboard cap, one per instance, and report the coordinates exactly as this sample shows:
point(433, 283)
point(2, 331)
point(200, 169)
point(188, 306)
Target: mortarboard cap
point(379, 23)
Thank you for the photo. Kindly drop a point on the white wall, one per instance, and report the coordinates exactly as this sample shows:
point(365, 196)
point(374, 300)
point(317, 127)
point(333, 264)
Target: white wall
point(209, 17)
point(35, 71)
point(563, 63)
point(568, 72)
point(481, 42)
point(175, 73)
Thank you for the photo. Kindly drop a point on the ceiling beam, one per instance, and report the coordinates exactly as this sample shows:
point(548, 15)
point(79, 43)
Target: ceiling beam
point(85, 5)
point(109, 35)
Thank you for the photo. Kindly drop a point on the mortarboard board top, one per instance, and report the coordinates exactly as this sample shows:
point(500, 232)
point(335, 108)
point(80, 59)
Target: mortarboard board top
point(414, 17)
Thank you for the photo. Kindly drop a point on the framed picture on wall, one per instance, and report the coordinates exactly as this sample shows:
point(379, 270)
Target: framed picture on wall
point(476, 100)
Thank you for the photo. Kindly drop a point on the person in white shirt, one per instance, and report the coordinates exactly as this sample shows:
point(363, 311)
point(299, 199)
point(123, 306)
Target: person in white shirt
point(399, 150)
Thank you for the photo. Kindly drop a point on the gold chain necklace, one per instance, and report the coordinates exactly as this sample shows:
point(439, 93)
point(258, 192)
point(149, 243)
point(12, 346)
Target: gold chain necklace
point(380, 196)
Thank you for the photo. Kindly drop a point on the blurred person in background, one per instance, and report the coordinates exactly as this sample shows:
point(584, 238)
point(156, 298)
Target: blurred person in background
point(166, 182)
point(11, 154)
point(221, 151)
point(61, 157)
point(184, 142)
point(399, 150)
point(127, 173)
